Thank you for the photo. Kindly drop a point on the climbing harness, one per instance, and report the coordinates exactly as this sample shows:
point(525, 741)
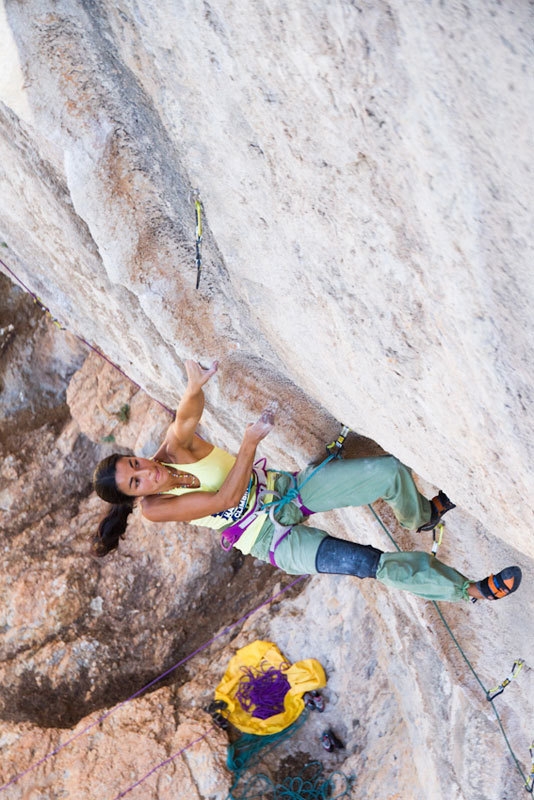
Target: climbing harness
point(491, 694)
point(198, 242)
point(334, 449)
point(292, 494)
point(231, 535)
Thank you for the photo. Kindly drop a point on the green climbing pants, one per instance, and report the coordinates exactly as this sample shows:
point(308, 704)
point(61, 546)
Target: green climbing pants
point(339, 484)
point(422, 574)
point(359, 482)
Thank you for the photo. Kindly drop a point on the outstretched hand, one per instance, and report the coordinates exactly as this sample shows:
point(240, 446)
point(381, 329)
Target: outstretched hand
point(197, 375)
point(264, 425)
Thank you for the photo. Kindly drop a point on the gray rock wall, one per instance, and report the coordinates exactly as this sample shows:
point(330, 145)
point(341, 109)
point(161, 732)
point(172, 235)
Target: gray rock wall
point(365, 176)
point(365, 180)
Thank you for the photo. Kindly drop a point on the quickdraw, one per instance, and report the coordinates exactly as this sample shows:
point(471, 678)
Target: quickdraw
point(529, 783)
point(198, 253)
point(491, 694)
point(48, 314)
point(335, 448)
point(436, 541)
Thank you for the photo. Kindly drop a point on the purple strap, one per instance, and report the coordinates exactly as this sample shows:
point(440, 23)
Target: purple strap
point(305, 510)
point(279, 535)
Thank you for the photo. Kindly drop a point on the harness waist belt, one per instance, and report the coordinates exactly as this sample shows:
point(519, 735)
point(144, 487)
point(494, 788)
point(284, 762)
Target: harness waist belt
point(231, 535)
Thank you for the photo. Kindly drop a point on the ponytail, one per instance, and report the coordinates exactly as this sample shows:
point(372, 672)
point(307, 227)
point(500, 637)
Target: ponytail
point(113, 526)
point(111, 529)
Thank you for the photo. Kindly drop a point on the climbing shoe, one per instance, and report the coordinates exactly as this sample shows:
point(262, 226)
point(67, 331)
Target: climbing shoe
point(314, 701)
point(504, 583)
point(440, 505)
point(214, 710)
point(330, 741)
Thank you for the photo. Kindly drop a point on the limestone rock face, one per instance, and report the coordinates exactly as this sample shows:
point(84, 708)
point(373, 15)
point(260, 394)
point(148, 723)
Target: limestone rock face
point(365, 178)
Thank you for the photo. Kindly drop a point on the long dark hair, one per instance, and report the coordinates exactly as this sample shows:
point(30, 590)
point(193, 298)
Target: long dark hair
point(113, 525)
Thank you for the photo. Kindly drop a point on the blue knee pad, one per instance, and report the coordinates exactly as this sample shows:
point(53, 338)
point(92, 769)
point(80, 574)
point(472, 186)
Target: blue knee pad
point(339, 557)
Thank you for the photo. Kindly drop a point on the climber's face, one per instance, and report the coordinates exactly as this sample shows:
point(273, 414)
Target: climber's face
point(139, 477)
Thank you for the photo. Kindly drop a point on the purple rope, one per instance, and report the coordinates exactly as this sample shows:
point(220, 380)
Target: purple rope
point(156, 680)
point(161, 764)
point(262, 691)
point(80, 338)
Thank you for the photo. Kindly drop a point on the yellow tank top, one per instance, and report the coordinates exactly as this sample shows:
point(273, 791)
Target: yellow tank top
point(211, 472)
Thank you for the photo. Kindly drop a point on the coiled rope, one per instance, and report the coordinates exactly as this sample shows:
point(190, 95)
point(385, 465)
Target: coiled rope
point(311, 784)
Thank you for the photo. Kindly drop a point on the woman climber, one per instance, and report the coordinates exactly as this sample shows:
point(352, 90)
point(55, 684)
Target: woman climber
point(260, 511)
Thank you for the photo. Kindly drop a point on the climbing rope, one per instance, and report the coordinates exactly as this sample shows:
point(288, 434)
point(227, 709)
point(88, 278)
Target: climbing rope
point(247, 751)
point(529, 782)
point(293, 491)
point(311, 784)
point(261, 691)
point(244, 753)
point(161, 764)
point(334, 449)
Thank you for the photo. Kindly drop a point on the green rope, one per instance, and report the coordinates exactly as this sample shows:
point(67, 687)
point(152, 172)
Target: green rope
point(483, 689)
point(244, 753)
point(334, 451)
point(294, 488)
point(384, 527)
point(310, 784)
point(455, 640)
